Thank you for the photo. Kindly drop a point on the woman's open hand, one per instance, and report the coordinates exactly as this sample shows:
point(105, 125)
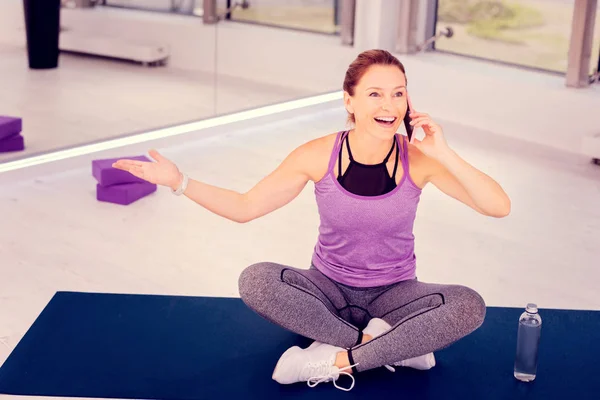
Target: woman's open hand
point(162, 172)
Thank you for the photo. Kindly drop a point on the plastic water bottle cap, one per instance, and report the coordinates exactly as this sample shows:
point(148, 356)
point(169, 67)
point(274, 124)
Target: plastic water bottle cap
point(532, 308)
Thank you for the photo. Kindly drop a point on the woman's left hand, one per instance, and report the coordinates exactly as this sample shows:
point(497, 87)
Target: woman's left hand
point(434, 143)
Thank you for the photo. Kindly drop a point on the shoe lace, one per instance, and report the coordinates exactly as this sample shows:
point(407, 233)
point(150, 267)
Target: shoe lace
point(323, 372)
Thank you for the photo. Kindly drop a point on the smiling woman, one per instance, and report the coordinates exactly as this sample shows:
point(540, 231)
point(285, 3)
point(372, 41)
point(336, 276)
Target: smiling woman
point(356, 70)
point(360, 300)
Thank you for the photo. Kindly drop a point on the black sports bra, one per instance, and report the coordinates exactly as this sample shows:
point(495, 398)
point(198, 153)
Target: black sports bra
point(364, 179)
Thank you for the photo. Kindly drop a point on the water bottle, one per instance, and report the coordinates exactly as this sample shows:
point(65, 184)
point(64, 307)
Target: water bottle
point(528, 339)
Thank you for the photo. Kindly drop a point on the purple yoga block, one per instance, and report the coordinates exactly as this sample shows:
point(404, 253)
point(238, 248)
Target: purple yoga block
point(107, 175)
point(12, 143)
point(10, 126)
point(125, 193)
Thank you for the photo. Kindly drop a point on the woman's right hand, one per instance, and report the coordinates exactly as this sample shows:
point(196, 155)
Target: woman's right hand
point(162, 172)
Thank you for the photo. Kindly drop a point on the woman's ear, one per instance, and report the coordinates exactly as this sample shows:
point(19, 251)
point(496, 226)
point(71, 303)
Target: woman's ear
point(348, 103)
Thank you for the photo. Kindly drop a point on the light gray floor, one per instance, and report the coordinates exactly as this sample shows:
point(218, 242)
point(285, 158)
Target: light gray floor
point(56, 236)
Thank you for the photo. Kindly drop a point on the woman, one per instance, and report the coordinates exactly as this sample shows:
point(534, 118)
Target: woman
point(360, 299)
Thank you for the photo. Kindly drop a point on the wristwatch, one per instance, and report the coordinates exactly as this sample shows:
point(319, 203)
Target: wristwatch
point(182, 187)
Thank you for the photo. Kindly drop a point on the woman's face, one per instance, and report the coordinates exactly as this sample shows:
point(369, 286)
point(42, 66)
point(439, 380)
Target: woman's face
point(379, 102)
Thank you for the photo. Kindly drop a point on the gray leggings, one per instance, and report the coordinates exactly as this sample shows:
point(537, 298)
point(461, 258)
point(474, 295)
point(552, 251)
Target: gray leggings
point(424, 317)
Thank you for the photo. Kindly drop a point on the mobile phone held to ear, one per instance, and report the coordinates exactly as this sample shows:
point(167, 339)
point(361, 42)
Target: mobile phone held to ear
point(407, 119)
point(407, 125)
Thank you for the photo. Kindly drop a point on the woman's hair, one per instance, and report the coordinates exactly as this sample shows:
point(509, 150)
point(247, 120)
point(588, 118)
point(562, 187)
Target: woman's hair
point(361, 64)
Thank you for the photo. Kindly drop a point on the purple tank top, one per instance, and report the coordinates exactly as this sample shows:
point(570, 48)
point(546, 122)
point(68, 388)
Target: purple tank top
point(366, 241)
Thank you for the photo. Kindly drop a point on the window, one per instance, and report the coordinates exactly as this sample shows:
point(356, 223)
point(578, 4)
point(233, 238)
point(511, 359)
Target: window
point(532, 33)
point(189, 7)
point(310, 15)
point(595, 60)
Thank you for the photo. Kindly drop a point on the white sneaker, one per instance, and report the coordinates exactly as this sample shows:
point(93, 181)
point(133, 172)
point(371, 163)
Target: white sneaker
point(313, 365)
point(377, 327)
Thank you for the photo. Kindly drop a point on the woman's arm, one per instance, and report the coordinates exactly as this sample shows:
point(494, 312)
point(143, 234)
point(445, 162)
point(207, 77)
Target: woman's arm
point(454, 176)
point(460, 180)
point(274, 191)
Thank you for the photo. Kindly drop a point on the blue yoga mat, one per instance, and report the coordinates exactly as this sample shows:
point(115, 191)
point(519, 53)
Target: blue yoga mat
point(184, 348)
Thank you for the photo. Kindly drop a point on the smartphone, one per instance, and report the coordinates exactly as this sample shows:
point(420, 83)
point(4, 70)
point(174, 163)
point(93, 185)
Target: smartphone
point(407, 119)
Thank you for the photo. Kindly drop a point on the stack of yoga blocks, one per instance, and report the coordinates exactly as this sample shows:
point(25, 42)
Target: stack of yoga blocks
point(118, 186)
point(10, 134)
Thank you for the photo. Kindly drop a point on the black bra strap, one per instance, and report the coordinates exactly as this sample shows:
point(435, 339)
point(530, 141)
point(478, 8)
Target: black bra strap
point(394, 144)
point(385, 160)
point(340, 158)
point(348, 147)
point(396, 162)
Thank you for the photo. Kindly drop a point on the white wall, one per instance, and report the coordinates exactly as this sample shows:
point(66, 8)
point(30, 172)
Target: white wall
point(376, 24)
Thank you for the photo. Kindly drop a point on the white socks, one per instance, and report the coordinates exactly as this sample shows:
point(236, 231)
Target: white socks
point(377, 327)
